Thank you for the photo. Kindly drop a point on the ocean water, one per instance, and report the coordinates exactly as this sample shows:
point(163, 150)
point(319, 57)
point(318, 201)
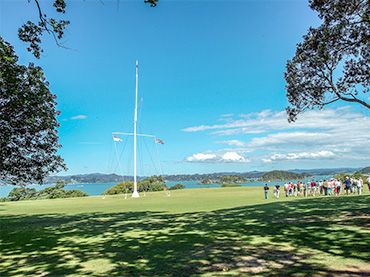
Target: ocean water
point(99, 188)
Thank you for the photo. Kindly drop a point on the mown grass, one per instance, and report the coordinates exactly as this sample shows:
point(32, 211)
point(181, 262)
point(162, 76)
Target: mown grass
point(210, 232)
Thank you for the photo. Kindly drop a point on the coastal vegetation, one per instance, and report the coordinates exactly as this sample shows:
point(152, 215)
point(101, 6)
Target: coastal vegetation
point(177, 186)
point(53, 192)
point(153, 183)
point(225, 180)
point(232, 179)
point(202, 232)
point(230, 185)
point(280, 175)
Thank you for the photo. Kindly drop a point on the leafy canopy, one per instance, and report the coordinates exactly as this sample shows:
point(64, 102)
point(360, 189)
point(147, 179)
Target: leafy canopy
point(28, 122)
point(333, 61)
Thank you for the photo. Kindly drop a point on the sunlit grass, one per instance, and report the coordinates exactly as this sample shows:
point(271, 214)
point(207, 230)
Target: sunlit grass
point(221, 231)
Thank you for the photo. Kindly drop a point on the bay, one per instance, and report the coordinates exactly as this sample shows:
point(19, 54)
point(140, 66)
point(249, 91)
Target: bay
point(99, 188)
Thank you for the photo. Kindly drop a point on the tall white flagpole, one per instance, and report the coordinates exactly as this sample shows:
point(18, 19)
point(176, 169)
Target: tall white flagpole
point(135, 193)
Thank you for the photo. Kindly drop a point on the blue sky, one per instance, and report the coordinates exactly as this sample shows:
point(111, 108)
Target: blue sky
point(211, 80)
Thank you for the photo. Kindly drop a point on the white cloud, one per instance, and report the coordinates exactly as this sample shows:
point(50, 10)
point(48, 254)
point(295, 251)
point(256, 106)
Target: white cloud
point(232, 157)
point(341, 134)
point(201, 157)
point(289, 138)
point(78, 117)
point(233, 142)
point(227, 157)
point(227, 115)
point(300, 156)
point(266, 121)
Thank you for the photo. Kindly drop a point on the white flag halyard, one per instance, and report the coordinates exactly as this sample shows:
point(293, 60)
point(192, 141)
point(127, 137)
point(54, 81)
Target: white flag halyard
point(117, 139)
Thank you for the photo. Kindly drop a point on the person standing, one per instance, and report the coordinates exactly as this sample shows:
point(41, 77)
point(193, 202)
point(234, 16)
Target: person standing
point(338, 185)
point(304, 184)
point(347, 185)
point(277, 191)
point(360, 184)
point(266, 190)
point(313, 187)
point(286, 189)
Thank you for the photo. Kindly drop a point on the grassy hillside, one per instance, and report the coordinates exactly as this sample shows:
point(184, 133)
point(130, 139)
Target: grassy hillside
point(210, 232)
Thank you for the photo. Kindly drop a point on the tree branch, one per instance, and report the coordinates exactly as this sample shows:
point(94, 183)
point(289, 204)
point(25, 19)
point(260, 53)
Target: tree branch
point(45, 25)
point(340, 96)
point(331, 101)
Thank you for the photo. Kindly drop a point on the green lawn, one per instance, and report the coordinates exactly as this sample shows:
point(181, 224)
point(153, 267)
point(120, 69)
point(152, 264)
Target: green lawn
point(210, 232)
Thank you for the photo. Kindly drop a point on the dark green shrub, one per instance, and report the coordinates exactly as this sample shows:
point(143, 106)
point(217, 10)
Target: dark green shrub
point(21, 193)
point(75, 193)
point(124, 187)
point(230, 185)
point(177, 186)
point(52, 192)
point(154, 183)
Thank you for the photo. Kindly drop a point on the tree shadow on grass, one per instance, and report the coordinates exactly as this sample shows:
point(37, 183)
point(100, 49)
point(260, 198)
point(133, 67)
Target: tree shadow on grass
point(275, 239)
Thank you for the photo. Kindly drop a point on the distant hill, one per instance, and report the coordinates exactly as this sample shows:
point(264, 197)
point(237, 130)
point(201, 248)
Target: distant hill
point(365, 170)
point(280, 175)
point(107, 178)
point(325, 171)
point(88, 178)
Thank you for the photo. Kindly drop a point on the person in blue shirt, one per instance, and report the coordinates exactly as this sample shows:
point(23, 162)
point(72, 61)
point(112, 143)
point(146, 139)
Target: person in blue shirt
point(347, 184)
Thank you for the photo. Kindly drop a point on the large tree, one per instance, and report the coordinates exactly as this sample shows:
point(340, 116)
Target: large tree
point(28, 122)
point(333, 61)
point(28, 115)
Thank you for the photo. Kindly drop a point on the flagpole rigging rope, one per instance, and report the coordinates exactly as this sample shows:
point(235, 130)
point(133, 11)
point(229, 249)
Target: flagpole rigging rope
point(118, 160)
point(151, 157)
point(159, 161)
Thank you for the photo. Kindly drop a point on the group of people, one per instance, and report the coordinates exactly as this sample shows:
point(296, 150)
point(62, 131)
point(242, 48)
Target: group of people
point(323, 187)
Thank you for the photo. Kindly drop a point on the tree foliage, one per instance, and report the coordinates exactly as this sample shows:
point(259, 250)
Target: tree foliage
point(177, 186)
point(28, 122)
point(333, 61)
point(32, 32)
point(153, 183)
point(280, 175)
point(231, 179)
point(53, 192)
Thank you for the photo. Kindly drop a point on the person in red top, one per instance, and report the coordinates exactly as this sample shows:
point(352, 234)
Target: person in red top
point(313, 187)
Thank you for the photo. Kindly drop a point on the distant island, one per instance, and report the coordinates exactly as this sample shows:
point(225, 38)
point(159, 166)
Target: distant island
point(280, 175)
point(207, 181)
point(208, 177)
point(225, 180)
point(232, 179)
